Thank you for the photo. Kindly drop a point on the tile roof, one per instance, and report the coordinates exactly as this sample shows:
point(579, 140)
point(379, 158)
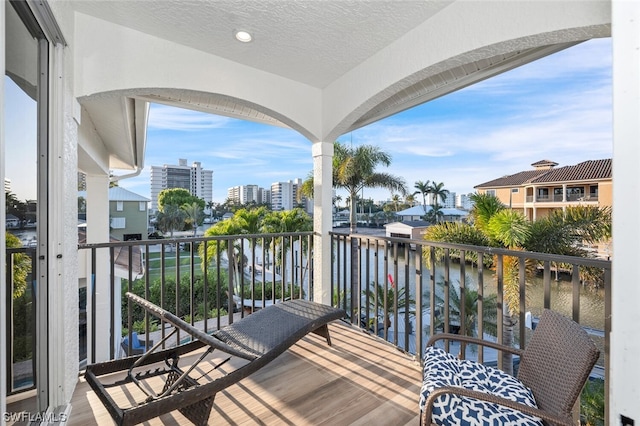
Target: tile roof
point(517, 179)
point(587, 170)
point(544, 163)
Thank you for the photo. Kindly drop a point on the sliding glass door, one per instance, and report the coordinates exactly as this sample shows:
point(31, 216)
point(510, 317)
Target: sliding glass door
point(25, 164)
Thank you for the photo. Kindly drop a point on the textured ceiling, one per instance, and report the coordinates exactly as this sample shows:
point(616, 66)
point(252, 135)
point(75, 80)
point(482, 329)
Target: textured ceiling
point(313, 42)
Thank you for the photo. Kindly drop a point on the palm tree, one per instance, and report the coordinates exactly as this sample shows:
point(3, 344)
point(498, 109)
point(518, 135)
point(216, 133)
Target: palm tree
point(250, 221)
point(484, 207)
point(194, 215)
point(396, 200)
point(379, 308)
point(171, 218)
point(410, 199)
point(336, 202)
point(287, 221)
point(210, 205)
point(422, 188)
point(560, 233)
point(438, 191)
point(354, 169)
point(217, 248)
point(470, 320)
point(434, 215)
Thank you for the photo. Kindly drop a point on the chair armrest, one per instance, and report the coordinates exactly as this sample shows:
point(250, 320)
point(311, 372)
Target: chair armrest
point(475, 341)
point(544, 415)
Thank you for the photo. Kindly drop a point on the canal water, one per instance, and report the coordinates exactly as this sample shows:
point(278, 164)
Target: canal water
point(592, 301)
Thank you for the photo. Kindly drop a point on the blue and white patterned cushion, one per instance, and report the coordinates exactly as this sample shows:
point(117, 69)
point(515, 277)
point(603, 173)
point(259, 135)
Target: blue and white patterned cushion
point(443, 369)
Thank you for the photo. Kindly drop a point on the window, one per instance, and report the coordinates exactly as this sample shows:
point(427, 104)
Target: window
point(142, 205)
point(515, 190)
point(491, 192)
point(119, 206)
point(118, 222)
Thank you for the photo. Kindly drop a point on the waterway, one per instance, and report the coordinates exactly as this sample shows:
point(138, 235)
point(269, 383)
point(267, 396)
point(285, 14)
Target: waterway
point(592, 301)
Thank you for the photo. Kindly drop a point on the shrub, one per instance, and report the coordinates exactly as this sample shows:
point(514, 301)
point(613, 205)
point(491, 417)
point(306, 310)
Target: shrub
point(592, 403)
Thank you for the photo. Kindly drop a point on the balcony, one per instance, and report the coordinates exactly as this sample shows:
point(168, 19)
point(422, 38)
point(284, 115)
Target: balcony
point(372, 371)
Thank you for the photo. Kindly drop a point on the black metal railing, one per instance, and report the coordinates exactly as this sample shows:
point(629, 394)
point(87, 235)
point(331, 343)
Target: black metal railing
point(20, 319)
point(406, 290)
point(207, 281)
point(559, 198)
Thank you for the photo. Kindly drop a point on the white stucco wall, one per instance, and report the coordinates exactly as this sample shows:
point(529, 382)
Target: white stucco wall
point(624, 370)
point(63, 227)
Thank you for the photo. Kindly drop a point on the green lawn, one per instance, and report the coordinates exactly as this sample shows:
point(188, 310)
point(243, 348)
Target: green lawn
point(154, 264)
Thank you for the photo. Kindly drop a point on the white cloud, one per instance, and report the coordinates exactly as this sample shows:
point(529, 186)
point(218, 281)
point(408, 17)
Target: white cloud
point(162, 117)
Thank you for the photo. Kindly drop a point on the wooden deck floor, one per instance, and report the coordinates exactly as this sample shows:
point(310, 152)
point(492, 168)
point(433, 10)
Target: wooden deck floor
point(360, 380)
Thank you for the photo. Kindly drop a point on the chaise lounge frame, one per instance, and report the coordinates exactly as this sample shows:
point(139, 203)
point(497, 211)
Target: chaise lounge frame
point(258, 338)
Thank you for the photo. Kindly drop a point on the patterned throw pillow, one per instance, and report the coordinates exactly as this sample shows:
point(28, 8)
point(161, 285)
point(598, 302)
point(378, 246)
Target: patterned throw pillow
point(443, 369)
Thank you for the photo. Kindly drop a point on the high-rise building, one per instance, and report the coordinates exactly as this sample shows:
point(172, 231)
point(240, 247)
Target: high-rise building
point(284, 195)
point(244, 194)
point(264, 195)
point(450, 202)
point(194, 178)
point(463, 201)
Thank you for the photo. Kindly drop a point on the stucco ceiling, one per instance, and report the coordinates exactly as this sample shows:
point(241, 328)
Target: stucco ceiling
point(313, 42)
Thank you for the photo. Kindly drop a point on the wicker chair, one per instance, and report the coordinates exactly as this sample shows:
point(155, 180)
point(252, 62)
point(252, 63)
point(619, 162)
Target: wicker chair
point(554, 366)
point(257, 338)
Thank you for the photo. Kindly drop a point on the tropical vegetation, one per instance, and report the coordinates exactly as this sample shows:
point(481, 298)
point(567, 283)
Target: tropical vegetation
point(423, 189)
point(177, 197)
point(354, 168)
point(381, 301)
point(469, 323)
point(252, 222)
point(563, 232)
point(21, 263)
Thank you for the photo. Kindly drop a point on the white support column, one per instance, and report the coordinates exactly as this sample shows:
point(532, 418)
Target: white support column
point(564, 192)
point(322, 220)
point(98, 232)
point(625, 291)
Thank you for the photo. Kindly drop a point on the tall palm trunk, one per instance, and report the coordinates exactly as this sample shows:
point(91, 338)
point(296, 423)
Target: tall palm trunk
point(507, 337)
point(353, 223)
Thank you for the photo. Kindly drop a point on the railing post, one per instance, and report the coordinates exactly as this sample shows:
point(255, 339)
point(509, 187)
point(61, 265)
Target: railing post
point(355, 279)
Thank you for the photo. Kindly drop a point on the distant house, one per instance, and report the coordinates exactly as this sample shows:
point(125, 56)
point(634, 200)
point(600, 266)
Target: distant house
point(418, 212)
point(537, 192)
point(120, 258)
point(410, 229)
point(128, 214)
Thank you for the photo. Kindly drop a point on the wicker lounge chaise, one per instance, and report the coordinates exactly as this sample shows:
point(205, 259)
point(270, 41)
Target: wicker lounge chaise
point(256, 340)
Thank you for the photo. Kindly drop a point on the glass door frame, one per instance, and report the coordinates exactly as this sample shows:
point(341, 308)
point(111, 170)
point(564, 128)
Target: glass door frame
point(38, 19)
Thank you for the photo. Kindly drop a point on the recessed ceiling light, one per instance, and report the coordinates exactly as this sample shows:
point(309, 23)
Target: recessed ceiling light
point(243, 36)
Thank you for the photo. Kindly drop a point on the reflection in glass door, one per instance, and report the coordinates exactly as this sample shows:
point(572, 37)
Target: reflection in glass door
point(21, 135)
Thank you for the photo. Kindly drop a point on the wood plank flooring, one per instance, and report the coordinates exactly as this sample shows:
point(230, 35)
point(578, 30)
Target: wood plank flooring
point(359, 380)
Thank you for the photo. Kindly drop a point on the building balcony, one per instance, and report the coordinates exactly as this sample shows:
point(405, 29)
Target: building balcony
point(372, 372)
point(557, 198)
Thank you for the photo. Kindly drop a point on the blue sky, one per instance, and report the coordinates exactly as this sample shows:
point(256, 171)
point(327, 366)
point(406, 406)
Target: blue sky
point(557, 108)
